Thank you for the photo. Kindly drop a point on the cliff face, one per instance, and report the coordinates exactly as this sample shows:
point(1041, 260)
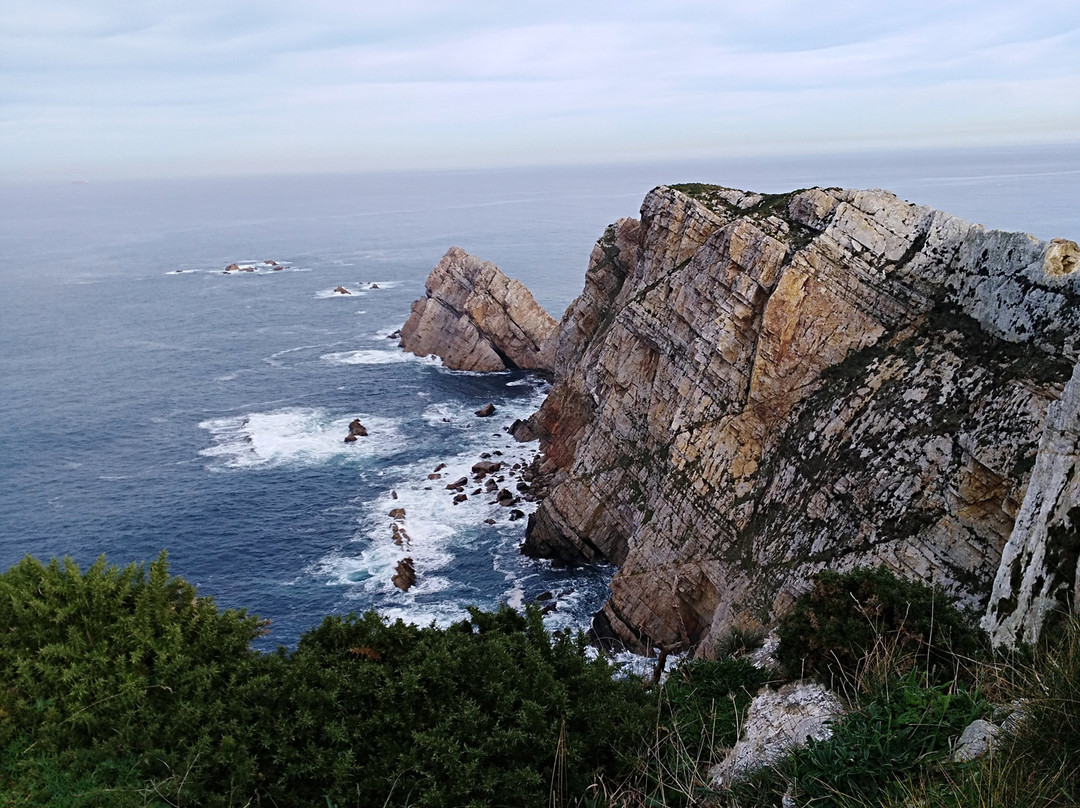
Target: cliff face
point(752, 388)
point(476, 318)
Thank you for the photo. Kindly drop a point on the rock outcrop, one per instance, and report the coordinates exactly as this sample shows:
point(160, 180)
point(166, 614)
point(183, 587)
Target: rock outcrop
point(752, 388)
point(476, 318)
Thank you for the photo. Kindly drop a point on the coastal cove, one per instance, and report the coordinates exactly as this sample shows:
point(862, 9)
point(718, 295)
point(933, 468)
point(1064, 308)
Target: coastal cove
point(151, 400)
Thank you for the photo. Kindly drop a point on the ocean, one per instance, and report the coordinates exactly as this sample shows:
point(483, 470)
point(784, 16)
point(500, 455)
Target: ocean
point(150, 401)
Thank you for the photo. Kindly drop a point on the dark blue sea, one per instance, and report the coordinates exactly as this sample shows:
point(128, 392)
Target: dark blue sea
point(150, 401)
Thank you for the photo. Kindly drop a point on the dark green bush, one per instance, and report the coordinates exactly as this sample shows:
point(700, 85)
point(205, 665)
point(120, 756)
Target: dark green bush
point(483, 713)
point(123, 687)
point(847, 617)
point(115, 671)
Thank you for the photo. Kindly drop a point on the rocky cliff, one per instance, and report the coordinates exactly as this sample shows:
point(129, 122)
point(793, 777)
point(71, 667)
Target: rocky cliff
point(476, 318)
point(755, 387)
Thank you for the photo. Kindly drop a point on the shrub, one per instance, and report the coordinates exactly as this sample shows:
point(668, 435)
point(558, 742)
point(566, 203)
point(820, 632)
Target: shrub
point(115, 671)
point(846, 618)
point(122, 687)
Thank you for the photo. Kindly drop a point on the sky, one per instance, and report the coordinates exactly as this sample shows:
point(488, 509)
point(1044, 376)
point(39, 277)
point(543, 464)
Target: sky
point(153, 88)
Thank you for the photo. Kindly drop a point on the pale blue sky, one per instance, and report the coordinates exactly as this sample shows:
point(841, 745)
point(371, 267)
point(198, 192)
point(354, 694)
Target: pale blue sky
point(93, 89)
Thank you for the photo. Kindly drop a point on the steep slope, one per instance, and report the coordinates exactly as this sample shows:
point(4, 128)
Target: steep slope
point(752, 388)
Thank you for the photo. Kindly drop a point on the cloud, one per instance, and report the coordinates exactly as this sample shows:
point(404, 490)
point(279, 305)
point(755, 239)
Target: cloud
point(359, 85)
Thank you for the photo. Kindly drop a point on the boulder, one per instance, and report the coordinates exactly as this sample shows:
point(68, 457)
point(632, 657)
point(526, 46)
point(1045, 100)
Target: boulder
point(476, 318)
point(777, 722)
point(404, 577)
point(486, 411)
point(341, 290)
point(486, 467)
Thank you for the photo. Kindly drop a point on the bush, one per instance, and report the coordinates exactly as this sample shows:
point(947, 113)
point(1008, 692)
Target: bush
point(123, 687)
point(114, 677)
point(893, 736)
point(847, 618)
point(487, 712)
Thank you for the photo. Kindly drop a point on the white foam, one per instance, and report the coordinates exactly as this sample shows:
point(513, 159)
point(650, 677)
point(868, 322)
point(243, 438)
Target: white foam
point(374, 357)
point(323, 294)
point(295, 436)
point(274, 359)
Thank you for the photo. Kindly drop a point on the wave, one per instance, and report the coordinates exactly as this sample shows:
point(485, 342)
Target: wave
point(452, 544)
point(295, 436)
point(324, 294)
point(375, 357)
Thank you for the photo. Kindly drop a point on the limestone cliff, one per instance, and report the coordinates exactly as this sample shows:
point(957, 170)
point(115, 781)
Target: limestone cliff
point(476, 318)
point(754, 387)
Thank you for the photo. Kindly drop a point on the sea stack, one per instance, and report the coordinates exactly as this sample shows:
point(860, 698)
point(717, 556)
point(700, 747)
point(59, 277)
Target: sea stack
point(476, 318)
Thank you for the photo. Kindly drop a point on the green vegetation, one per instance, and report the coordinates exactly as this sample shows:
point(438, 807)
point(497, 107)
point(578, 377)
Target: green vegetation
point(123, 687)
point(847, 620)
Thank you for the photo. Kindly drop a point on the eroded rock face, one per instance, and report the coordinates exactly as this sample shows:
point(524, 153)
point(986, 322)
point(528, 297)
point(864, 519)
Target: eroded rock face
point(753, 388)
point(476, 318)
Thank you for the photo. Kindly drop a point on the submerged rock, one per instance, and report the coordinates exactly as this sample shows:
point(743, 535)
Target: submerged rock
point(476, 318)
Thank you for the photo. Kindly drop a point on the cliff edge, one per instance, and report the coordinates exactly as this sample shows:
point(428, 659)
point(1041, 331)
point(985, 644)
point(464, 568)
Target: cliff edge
point(752, 388)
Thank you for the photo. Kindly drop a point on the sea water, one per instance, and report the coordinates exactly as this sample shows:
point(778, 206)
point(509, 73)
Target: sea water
point(149, 400)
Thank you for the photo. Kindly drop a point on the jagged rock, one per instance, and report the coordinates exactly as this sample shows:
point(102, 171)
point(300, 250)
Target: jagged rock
point(397, 513)
point(486, 411)
point(350, 438)
point(522, 431)
point(341, 290)
point(459, 483)
point(404, 577)
point(505, 498)
point(475, 318)
point(751, 388)
point(515, 514)
point(486, 467)
point(777, 722)
point(356, 430)
point(461, 498)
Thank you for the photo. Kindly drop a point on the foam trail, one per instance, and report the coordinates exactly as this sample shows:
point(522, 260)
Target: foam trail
point(295, 436)
point(375, 357)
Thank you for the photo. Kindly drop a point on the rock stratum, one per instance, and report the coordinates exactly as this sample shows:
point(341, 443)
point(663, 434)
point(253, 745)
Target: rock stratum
point(752, 388)
point(476, 318)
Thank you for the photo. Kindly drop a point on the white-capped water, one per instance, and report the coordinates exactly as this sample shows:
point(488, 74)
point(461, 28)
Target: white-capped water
point(295, 436)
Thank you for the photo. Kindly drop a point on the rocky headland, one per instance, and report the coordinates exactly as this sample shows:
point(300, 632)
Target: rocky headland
point(752, 388)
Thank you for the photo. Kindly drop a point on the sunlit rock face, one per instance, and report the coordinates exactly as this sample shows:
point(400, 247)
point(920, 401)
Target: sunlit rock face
point(476, 318)
point(752, 388)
